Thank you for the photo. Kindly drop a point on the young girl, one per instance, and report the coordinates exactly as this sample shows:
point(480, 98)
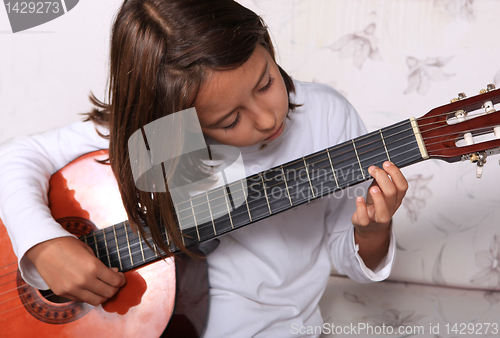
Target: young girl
point(216, 56)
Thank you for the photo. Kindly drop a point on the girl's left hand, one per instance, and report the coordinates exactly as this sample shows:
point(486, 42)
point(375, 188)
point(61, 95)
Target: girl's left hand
point(384, 197)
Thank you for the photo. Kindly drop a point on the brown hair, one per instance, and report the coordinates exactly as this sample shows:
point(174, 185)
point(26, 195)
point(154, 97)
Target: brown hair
point(160, 52)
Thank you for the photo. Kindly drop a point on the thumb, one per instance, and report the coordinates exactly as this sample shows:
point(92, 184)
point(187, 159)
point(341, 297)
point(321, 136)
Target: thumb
point(123, 279)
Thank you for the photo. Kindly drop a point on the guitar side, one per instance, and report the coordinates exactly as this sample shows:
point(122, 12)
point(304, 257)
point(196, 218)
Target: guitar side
point(83, 197)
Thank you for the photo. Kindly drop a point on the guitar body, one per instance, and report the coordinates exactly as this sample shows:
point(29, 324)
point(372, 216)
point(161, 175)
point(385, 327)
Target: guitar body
point(84, 197)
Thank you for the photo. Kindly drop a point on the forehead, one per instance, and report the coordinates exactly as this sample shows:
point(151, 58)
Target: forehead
point(222, 91)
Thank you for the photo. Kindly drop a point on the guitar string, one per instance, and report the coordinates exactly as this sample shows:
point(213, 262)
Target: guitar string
point(136, 252)
point(259, 184)
point(124, 244)
point(320, 168)
point(123, 256)
point(351, 151)
point(268, 187)
point(323, 160)
point(251, 186)
point(303, 182)
point(281, 174)
point(52, 293)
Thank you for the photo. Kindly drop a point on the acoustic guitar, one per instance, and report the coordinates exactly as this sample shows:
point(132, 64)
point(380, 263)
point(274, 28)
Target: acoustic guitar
point(168, 297)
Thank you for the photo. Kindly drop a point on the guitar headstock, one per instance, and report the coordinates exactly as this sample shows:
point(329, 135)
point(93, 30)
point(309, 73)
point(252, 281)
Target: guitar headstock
point(465, 129)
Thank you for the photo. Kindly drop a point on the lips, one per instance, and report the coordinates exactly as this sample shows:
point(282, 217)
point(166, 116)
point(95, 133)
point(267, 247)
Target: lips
point(276, 134)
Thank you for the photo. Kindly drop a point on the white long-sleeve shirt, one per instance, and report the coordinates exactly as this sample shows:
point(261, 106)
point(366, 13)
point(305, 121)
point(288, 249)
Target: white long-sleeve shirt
point(266, 278)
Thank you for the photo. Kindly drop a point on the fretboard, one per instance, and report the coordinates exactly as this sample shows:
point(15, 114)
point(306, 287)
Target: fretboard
point(212, 214)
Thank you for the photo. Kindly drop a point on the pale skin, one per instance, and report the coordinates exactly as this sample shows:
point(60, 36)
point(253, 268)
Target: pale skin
point(239, 107)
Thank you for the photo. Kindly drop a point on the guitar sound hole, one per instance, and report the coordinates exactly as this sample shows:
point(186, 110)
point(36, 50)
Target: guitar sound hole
point(52, 297)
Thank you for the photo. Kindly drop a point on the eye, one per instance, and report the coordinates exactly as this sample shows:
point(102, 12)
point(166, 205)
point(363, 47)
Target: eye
point(235, 122)
point(268, 85)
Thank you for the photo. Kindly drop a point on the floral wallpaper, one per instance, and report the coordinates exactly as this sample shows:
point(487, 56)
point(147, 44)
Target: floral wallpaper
point(394, 59)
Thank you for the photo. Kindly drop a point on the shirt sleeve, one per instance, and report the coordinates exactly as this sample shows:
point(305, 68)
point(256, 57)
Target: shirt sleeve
point(342, 247)
point(347, 124)
point(26, 165)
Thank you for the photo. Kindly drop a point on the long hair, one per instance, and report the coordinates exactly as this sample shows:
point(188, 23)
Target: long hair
point(161, 51)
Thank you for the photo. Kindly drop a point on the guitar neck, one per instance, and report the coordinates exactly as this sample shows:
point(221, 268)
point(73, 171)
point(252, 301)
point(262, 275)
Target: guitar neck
point(222, 210)
point(297, 182)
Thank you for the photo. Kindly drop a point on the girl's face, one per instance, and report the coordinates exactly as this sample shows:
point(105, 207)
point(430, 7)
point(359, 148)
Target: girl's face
point(244, 106)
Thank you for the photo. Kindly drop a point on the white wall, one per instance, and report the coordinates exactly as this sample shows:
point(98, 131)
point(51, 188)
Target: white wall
point(47, 72)
point(366, 49)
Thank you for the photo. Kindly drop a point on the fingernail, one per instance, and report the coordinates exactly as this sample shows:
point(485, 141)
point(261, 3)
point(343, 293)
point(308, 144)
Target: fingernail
point(375, 190)
point(387, 164)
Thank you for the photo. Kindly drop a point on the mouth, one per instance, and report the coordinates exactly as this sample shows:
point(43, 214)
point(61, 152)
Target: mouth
point(277, 133)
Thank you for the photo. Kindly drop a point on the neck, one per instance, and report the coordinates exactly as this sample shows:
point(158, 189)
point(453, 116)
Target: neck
point(212, 214)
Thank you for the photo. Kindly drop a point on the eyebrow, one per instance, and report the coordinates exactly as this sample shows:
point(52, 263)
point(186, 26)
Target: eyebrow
point(264, 71)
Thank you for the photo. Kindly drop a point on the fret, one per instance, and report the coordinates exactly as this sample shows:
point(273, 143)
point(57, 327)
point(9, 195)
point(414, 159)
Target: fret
point(85, 239)
point(372, 150)
point(298, 185)
point(96, 247)
point(155, 249)
point(117, 248)
point(359, 161)
point(106, 246)
point(151, 253)
point(257, 204)
point(147, 253)
point(244, 192)
point(109, 242)
point(309, 178)
point(401, 144)
point(275, 192)
point(385, 147)
point(265, 193)
point(211, 214)
point(194, 218)
point(135, 249)
point(227, 205)
point(128, 244)
point(286, 185)
point(321, 174)
point(240, 214)
point(218, 208)
point(204, 219)
point(333, 170)
point(140, 245)
point(345, 161)
point(186, 221)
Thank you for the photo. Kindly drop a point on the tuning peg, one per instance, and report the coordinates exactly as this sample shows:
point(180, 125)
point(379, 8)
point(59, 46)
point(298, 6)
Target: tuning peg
point(461, 117)
point(461, 96)
point(490, 108)
point(489, 88)
point(480, 160)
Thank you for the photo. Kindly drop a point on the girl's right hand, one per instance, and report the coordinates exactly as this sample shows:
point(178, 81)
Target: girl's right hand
point(71, 270)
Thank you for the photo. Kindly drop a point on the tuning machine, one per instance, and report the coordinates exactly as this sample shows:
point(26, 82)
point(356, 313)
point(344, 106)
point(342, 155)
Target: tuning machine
point(480, 159)
point(490, 108)
point(461, 116)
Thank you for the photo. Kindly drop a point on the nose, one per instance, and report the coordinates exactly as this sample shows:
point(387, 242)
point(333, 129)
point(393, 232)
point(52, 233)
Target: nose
point(264, 119)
